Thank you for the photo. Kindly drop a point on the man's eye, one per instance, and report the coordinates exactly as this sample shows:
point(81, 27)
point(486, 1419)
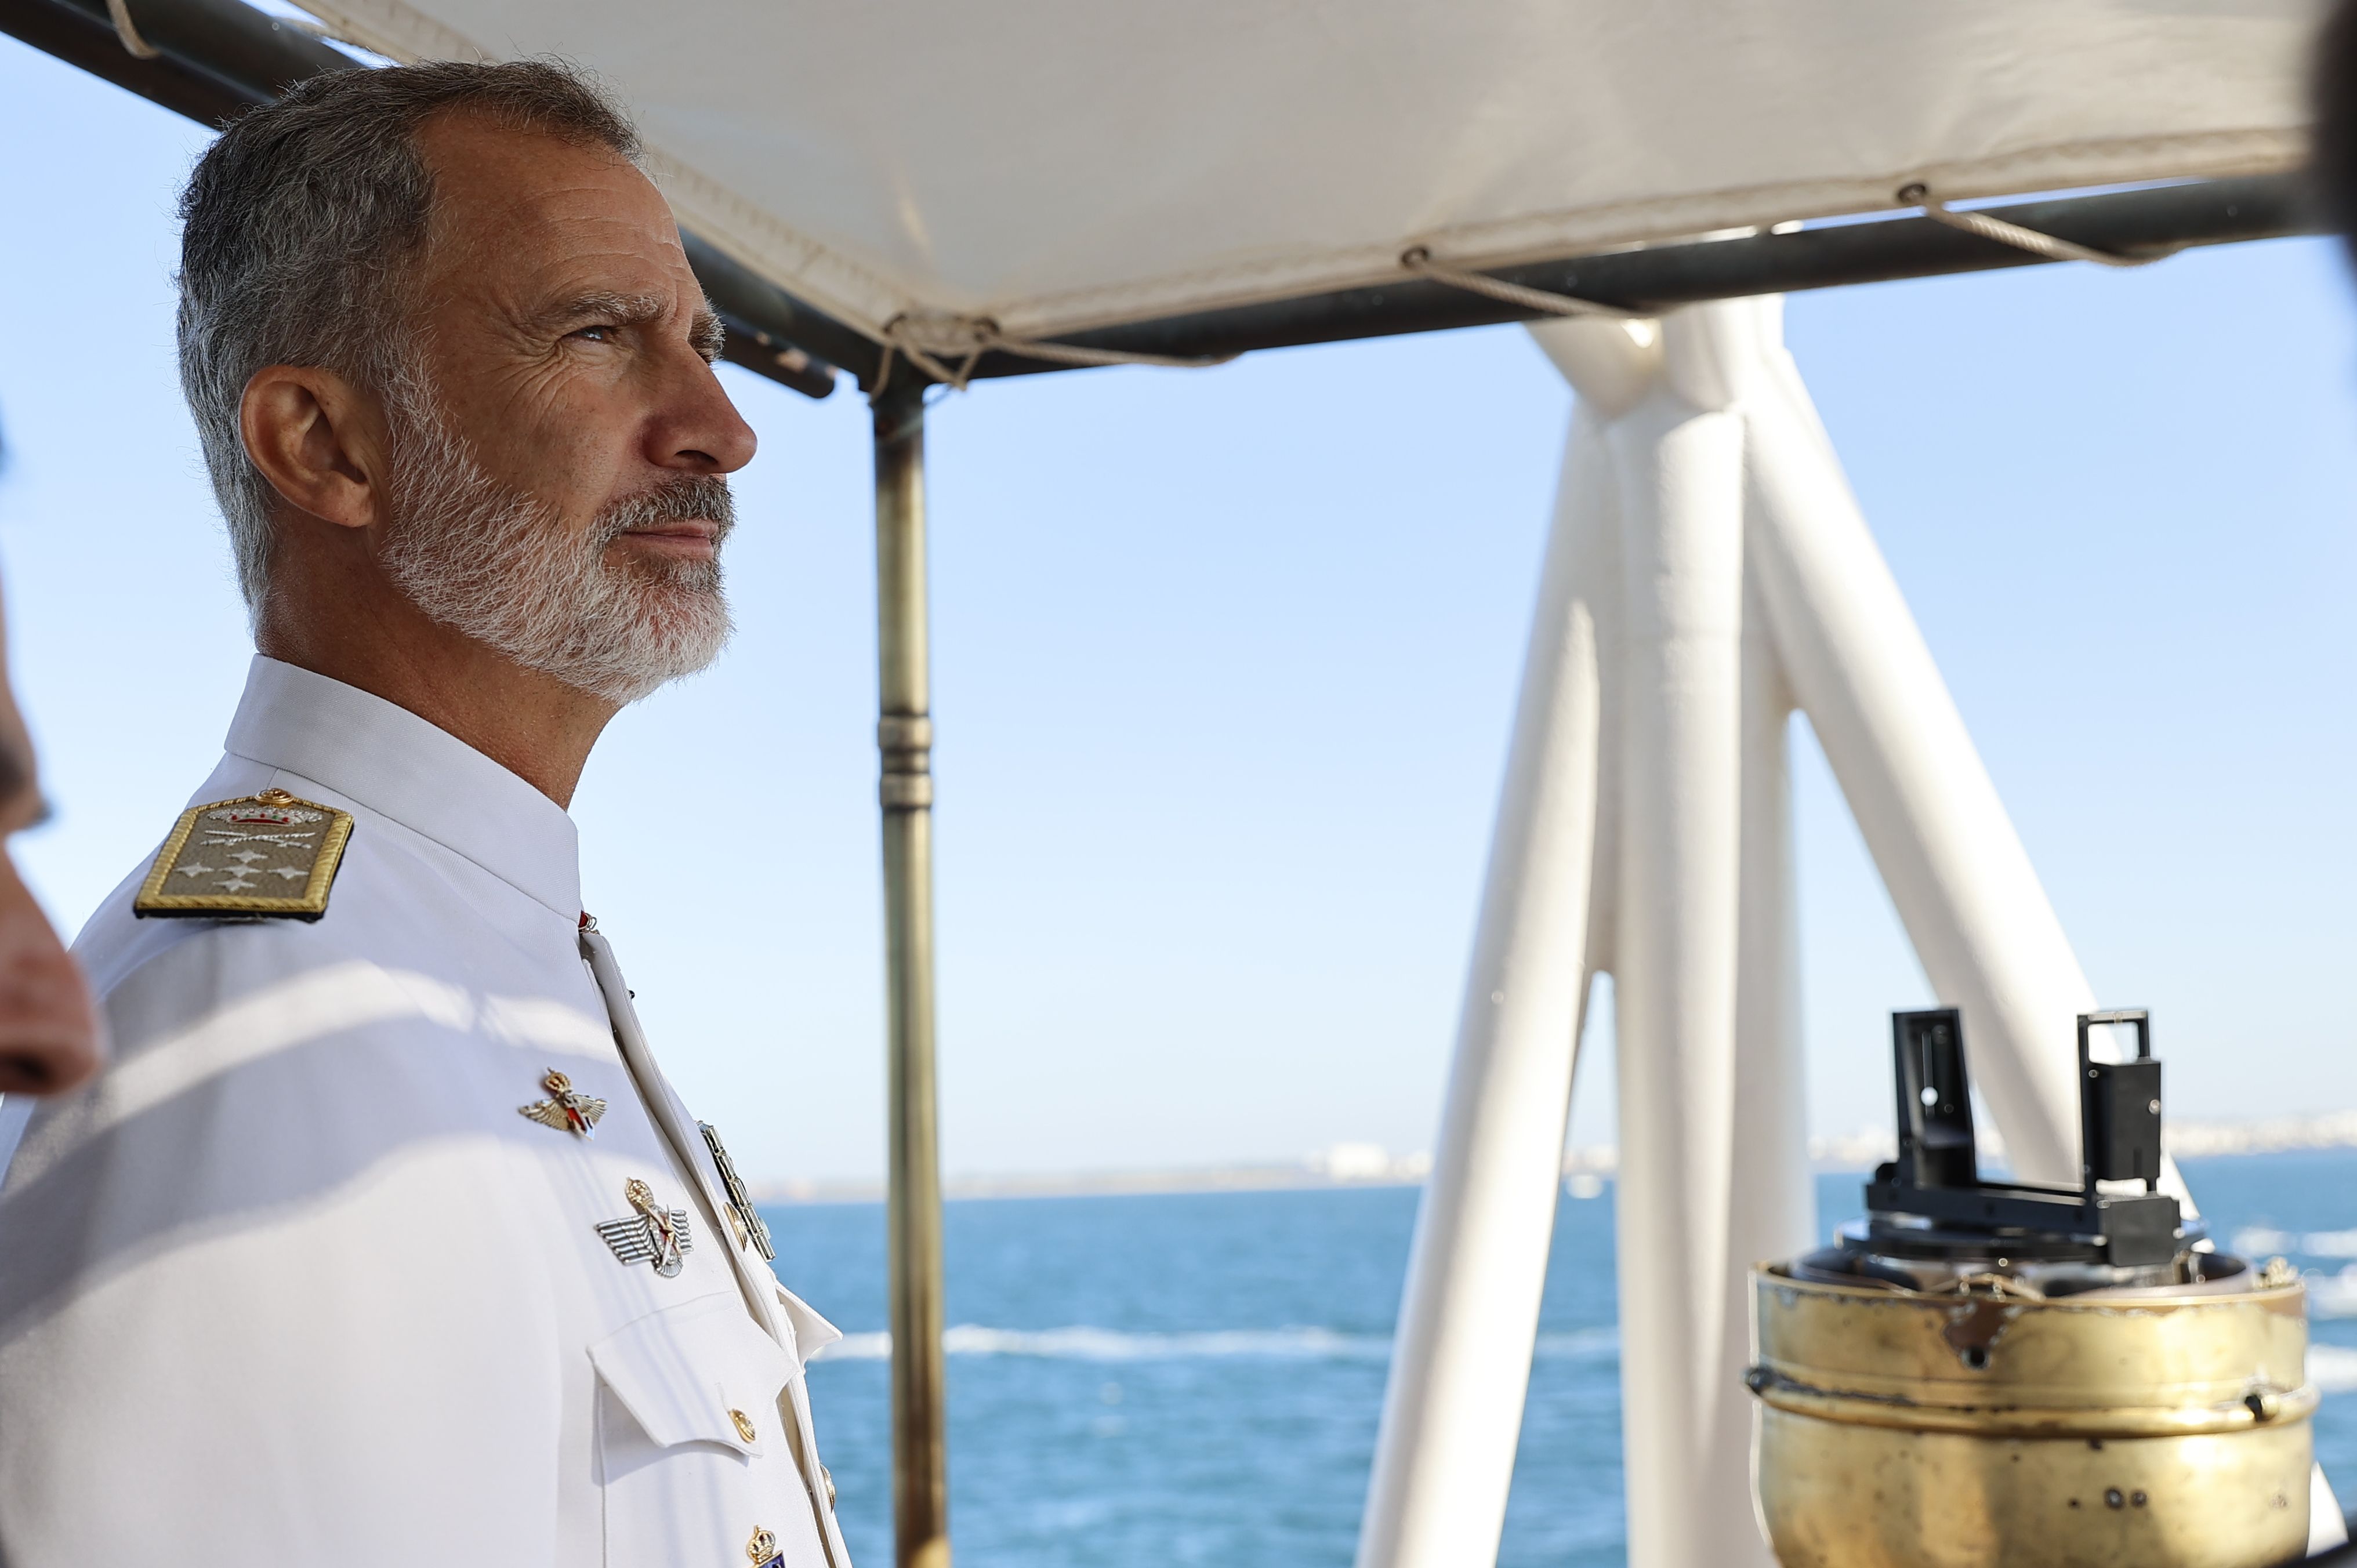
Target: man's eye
point(600, 334)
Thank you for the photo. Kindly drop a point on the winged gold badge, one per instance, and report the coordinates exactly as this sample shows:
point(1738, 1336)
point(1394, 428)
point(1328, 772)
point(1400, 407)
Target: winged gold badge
point(653, 1235)
point(564, 1109)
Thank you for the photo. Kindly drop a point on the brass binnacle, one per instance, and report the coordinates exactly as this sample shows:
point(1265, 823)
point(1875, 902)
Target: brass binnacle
point(2153, 1425)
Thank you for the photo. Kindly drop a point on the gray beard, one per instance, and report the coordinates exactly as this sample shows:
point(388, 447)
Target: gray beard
point(502, 567)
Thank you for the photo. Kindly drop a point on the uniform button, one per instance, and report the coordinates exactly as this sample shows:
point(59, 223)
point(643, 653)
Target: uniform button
point(744, 1424)
point(827, 1476)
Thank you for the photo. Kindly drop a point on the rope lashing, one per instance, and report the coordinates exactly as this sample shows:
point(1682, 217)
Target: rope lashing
point(127, 31)
point(1417, 259)
point(933, 342)
point(2013, 234)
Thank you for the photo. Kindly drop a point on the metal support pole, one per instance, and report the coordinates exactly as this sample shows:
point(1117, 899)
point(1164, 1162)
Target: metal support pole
point(904, 735)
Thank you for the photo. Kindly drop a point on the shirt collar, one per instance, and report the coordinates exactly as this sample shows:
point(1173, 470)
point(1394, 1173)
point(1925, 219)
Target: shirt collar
point(387, 759)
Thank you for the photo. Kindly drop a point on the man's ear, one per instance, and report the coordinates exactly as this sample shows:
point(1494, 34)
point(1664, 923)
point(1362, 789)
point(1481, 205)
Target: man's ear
point(320, 442)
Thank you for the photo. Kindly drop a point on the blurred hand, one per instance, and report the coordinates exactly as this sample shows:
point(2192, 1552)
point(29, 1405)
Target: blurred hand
point(49, 1039)
point(48, 1030)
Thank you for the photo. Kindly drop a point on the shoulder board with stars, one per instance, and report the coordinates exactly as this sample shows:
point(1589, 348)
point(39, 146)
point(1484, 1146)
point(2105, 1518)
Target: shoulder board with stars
point(262, 856)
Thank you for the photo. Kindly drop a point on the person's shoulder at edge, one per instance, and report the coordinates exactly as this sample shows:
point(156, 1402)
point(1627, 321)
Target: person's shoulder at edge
point(193, 996)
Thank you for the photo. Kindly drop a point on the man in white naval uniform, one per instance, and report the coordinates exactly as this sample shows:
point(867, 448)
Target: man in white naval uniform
point(381, 1241)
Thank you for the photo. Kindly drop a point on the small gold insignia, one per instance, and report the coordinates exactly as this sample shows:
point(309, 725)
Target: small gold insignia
point(762, 1549)
point(653, 1235)
point(565, 1109)
point(744, 1424)
point(267, 854)
point(749, 1227)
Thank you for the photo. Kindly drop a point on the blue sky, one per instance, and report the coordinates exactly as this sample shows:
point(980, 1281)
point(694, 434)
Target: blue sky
point(1223, 665)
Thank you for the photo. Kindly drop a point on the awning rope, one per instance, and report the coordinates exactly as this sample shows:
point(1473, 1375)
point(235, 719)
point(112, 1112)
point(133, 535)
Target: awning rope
point(931, 343)
point(119, 11)
point(1417, 259)
point(2013, 234)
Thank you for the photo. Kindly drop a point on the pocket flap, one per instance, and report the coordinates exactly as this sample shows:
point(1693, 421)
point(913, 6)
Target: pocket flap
point(812, 1332)
point(690, 1373)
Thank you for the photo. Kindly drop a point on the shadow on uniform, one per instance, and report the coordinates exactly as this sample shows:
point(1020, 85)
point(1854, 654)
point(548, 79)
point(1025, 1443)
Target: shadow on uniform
point(188, 1138)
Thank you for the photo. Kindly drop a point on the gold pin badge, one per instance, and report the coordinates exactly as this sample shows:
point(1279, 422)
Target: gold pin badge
point(564, 1109)
point(744, 1424)
point(762, 1549)
point(749, 1227)
point(653, 1235)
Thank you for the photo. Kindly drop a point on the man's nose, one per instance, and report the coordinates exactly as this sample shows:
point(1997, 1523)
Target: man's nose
point(700, 431)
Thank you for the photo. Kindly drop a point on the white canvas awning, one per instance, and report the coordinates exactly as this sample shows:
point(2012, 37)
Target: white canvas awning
point(1057, 164)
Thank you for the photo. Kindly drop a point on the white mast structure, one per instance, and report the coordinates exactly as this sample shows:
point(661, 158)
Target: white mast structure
point(1709, 574)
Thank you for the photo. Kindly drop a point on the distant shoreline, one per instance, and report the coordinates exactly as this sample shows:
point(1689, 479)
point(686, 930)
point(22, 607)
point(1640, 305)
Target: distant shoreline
point(1089, 1183)
point(1364, 1166)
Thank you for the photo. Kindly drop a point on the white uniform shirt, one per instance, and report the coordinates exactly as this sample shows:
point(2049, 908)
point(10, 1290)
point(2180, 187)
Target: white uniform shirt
point(295, 1283)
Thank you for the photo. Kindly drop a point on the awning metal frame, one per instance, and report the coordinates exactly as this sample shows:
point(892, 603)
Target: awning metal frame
point(218, 56)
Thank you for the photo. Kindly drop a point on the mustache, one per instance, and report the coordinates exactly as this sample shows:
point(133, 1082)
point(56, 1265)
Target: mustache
point(684, 498)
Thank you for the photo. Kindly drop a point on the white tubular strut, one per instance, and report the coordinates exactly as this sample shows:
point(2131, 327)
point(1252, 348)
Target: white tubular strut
point(1980, 923)
point(1708, 570)
point(1445, 1455)
point(1772, 1208)
point(1612, 365)
point(1685, 1420)
point(1956, 870)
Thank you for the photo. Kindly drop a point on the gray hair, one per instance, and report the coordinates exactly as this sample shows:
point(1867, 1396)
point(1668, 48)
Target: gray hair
point(300, 227)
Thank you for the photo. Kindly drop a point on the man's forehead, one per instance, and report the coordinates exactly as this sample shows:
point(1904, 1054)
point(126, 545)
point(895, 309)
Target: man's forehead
point(549, 203)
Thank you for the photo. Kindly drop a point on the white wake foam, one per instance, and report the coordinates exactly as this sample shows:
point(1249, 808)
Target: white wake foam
point(1084, 1343)
point(2332, 1295)
point(2261, 1240)
point(2332, 1368)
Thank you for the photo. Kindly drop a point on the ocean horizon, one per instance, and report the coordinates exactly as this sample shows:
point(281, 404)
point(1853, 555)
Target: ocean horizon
point(1196, 1376)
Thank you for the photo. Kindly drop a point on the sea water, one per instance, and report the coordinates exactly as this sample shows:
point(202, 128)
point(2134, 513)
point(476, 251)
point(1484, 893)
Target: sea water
point(1196, 1379)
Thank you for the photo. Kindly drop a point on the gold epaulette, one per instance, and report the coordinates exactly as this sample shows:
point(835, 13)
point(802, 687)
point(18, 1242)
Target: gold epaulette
point(267, 854)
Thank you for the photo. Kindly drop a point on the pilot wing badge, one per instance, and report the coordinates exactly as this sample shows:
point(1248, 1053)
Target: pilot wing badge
point(267, 856)
point(651, 1235)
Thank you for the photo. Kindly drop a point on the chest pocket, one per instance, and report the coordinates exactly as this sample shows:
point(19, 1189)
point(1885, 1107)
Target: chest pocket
point(692, 1459)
